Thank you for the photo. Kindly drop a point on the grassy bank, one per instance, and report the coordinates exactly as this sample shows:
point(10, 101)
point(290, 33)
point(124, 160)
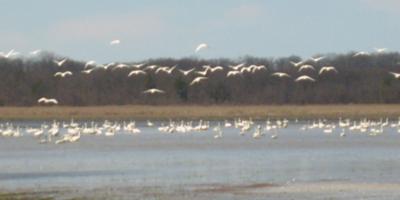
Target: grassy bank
point(208, 112)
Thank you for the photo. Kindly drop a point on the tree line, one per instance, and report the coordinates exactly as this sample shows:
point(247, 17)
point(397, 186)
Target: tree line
point(360, 79)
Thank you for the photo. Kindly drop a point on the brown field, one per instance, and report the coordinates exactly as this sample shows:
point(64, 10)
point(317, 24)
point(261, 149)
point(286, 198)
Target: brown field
point(309, 191)
point(195, 112)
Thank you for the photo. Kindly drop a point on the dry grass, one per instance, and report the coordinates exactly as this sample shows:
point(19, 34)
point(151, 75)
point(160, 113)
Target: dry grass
point(194, 111)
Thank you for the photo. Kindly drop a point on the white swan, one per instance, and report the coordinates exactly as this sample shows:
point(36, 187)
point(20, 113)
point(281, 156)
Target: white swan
point(11, 53)
point(396, 75)
point(233, 73)
point(281, 75)
point(200, 47)
point(88, 71)
point(63, 74)
point(304, 78)
point(151, 67)
point(317, 59)
point(115, 42)
point(361, 53)
point(136, 72)
point(305, 67)
point(167, 70)
point(198, 80)
point(45, 100)
point(35, 52)
point(60, 62)
point(237, 67)
point(186, 72)
point(257, 134)
point(296, 64)
point(343, 133)
point(380, 50)
point(154, 91)
point(202, 73)
point(138, 66)
point(327, 69)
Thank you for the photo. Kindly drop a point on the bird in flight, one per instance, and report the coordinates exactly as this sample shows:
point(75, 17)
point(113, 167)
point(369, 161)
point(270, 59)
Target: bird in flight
point(361, 53)
point(380, 50)
point(296, 64)
point(115, 42)
point(60, 62)
point(110, 65)
point(255, 68)
point(105, 67)
point(198, 80)
point(137, 66)
point(186, 72)
point(11, 53)
point(202, 73)
point(90, 63)
point(151, 67)
point(305, 67)
point(136, 72)
point(153, 91)
point(233, 73)
point(167, 70)
point(88, 71)
point(120, 66)
point(63, 74)
point(217, 68)
point(281, 75)
point(200, 47)
point(304, 78)
point(317, 59)
point(35, 52)
point(325, 69)
point(248, 69)
point(237, 67)
point(45, 100)
point(396, 75)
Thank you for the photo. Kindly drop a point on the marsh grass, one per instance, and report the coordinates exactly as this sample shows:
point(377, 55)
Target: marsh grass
point(205, 112)
point(24, 196)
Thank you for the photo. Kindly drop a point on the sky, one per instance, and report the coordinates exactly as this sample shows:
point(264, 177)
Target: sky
point(173, 28)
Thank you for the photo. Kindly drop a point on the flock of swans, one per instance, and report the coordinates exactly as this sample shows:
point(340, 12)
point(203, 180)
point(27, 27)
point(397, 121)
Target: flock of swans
point(198, 75)
point(69, 132)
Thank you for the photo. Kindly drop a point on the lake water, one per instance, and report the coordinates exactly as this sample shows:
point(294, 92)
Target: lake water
point(180, 161)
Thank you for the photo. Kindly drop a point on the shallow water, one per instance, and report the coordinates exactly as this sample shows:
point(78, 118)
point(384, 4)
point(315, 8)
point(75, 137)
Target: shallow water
point(152, 159)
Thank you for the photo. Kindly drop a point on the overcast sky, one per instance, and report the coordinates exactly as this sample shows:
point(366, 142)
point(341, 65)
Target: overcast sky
point(82, 29)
